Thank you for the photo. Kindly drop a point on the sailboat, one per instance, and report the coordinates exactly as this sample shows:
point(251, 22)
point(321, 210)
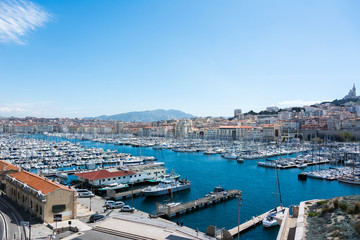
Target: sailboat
point(275, 217)
point(353, 178)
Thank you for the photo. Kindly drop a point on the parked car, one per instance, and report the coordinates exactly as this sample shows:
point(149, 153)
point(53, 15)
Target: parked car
point(82, 193)
point(96, 217)
point(108, 203)
point(127, 208)
point(117, 204)
point(85, 194)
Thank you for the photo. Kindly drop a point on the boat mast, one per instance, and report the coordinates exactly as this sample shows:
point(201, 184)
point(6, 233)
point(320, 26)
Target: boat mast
point(275, 187)
point(355, 160)
point(278, 182)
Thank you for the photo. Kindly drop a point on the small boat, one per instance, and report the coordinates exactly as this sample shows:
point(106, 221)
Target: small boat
point(302, 176)
point(210, 152)
point(274, 218)
point(230, 156)
point(349, 180)
point(114, 186)
point(219, 189)
point(240, 160)
point(303, 165)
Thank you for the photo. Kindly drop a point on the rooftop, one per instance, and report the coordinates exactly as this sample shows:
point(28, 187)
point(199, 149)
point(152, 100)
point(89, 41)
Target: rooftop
point(36, 182)
point(5, 166)
point(101, 174)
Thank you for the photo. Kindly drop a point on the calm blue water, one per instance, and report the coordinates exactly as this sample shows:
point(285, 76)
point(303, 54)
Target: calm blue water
point(256, 183)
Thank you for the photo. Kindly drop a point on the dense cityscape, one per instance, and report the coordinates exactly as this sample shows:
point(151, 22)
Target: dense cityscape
point(328, 119)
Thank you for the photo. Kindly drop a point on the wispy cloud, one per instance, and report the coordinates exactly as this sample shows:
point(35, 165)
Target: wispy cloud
point(23, 109)
point(18, 18)
point(299, 103)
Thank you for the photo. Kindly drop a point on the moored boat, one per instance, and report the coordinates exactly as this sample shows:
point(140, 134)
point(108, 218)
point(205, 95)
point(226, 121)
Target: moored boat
point(167, 186)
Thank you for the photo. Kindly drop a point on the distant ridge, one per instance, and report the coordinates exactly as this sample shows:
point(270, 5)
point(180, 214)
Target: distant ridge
point(147, 116)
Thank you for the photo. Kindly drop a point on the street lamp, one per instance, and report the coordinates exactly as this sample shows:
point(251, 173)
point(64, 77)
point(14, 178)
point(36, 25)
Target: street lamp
point(30, 222)
point(90, 202)
point(239, 197)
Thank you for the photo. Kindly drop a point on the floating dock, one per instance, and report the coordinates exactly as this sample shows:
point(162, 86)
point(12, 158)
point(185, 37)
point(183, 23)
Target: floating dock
point(172, 210)
point(251, 223)
point(249, 157)
point(295, 165)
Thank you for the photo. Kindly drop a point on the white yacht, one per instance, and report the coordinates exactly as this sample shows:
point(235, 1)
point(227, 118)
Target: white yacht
point(273, 218)
point(167, 186)
point(230, 155)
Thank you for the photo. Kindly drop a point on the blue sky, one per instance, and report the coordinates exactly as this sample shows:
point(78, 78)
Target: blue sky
point(65, 58)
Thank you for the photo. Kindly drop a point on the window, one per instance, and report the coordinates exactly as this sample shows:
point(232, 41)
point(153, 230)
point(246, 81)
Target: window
point(113, 178)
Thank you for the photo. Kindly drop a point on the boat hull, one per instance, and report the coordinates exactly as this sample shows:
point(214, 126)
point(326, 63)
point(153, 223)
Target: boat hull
point(167, 190)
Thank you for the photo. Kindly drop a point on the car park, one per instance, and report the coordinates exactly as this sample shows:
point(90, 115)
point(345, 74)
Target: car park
point(127, 208)
point(96, 217)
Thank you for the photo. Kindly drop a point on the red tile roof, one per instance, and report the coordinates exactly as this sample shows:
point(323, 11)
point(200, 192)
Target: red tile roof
point(37, 182)
point(101, 174)
point(5, 166)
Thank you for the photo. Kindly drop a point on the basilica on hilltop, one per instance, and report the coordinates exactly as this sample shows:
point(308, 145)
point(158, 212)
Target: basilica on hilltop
point(351, 94)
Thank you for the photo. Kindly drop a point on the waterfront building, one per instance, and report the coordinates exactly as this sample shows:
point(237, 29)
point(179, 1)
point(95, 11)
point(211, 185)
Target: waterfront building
point(211, 133)
point(105, 177)
point(41, 196)
point(23, 128)
point(73, 129)
point(106, 130)
point(119, 126)
point(271, 132)
point(44, 128)
point(253, 134)
point(182, 128)
point(233, 132)
point(5, 169)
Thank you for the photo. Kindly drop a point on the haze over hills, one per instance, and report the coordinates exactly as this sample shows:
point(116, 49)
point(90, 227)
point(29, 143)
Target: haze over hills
point(147, 116)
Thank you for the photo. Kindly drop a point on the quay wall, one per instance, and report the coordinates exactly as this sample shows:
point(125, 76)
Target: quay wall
point(330, 133)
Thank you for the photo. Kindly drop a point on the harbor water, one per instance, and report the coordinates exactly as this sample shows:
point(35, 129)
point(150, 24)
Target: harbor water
point(206, 172)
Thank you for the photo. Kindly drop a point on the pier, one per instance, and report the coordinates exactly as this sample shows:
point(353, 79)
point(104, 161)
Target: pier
point(251, 223)
point(308, 164)
point(168, 210)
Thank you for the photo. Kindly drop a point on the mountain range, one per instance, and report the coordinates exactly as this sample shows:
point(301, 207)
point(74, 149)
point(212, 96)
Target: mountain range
point(147, 116)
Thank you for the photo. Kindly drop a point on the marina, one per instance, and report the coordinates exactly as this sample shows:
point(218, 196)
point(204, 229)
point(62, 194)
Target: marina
point(204, 171)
